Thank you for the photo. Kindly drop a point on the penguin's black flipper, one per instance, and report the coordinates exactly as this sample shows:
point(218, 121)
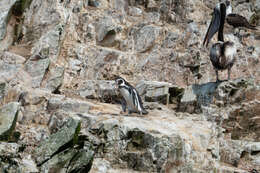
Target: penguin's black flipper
point(123, 104)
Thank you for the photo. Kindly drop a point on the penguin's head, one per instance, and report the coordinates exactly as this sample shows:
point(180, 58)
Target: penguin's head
point(227, 3)
point(120, 82)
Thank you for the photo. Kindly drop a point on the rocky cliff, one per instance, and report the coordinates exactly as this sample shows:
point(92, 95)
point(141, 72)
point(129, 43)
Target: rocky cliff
point(59, 110)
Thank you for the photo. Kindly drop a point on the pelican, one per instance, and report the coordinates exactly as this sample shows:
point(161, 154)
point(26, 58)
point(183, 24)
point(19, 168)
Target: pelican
point(222, 53)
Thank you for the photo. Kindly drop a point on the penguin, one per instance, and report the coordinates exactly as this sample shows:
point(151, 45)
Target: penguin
point(222, 53)
point(131, 99)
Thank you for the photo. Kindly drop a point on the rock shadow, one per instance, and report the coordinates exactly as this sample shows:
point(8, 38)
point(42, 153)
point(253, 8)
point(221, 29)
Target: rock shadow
point(205, 92)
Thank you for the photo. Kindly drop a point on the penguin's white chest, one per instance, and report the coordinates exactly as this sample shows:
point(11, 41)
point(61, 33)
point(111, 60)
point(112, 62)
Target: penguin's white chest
point(128, 98)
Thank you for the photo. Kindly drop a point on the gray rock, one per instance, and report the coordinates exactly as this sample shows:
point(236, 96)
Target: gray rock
point(233, 151)
point(75, 65)
point(144, 38)
point(42, 18)
point(9, 157)
point(100, 166)
point(193, 40)
point(224, 92)
point(82, 162)
point(8, 118)
point(10, 66)
point(9, 148)
point(134, 11)
point(2, 89)
point(134, 143)
point(152, 17)
point(12, 58)
point(120, 5)
point(171, 40)
point(59, 162)
point(230, 151)
point(98, 89)
point(93, 3)
point(196, 95)
point(68, 105)
point(232, 91)
point(77, 7)
point(256, 6)
point(5, 9)
point(154, 91)
point(70, 161)
point(27, 164)
point(252, 147)
point(100, 63)
point(48, 46)
point(68, 133)
point(56, 78)
point(85, 3)
point(193, 28)
point(105, 31)
point(37, 70)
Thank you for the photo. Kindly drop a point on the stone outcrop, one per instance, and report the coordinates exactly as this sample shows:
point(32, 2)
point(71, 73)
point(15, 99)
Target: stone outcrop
point(8, 118)
point(59, 107)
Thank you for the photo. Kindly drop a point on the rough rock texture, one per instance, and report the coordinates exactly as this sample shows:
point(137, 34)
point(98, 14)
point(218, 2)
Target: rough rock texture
point(68, 133)
point(58, 61)
point(5, 11)
point(8, 118)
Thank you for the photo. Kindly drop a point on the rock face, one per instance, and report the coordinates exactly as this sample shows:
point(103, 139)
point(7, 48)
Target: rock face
point(59, 108)
point(5, 11)
point(161, 92)
point(8, 118)
point(101, 89)
point(145, 37)
point(67, 134)
point(145, 145)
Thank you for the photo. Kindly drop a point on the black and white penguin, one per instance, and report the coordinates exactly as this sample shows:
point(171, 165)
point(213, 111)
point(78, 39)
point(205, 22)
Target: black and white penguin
point(131, 99)
point(222, 54)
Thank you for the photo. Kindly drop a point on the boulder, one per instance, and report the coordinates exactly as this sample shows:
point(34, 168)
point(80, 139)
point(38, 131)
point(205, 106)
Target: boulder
point(41, 26)
point(102, 90)
point(5, 10)
point(100, 166)
point(48, 46)
point(106, 31)
point(149, 145)
point(231, 151)
point(82, 162)
point(154, 91)
point(70, 161)
point(68, 134)
point(68, 105)
point(55, 79)
point(238, 152)
point(8, 118)
point(10, 66)
point(37, 70)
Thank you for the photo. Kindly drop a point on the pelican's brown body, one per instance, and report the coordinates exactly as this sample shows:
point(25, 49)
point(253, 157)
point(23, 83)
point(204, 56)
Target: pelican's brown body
point(222, 56)
point(222, 53)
